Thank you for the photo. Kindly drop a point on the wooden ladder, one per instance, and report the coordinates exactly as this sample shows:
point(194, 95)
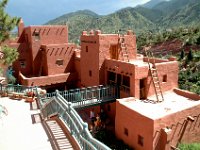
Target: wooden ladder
point(123, 48)
point(154, 75)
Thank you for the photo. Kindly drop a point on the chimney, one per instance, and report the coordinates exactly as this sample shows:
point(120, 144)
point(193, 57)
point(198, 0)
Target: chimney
point(20, 27)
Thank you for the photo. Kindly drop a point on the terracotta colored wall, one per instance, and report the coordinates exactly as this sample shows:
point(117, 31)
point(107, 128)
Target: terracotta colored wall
point(166, 68)
point(48, 80)
point(174, 122)
point(110, 110)
point(89, 60)
point(56, 34)
point(136, 124)
point(99, 50)
point(122, 68)
point(25, 55)
point(187, 94)
point(59, 52)
point(78, 68)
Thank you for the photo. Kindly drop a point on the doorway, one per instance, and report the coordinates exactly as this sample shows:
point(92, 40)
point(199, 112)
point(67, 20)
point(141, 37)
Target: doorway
point(114, 54)
point(143, 83)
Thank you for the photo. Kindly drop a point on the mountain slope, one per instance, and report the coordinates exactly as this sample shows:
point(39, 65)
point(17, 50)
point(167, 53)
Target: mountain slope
point(76, 22)
point(163, 15)
point(173, 5)
point(152, 3)
point(124, 19)
point(151, 14)
point(184, 15)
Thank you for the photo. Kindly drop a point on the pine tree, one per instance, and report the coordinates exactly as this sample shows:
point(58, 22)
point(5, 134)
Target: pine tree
point(7, 23)
point(190, 55)
point(182, 54)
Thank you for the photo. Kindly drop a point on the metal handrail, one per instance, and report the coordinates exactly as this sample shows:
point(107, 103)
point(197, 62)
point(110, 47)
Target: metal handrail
point(90, 95)
point(77, 127)
point(9, 88)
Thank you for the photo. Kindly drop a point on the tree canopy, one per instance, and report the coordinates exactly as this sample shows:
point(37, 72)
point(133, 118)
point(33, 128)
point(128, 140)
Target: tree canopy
point(7, 23)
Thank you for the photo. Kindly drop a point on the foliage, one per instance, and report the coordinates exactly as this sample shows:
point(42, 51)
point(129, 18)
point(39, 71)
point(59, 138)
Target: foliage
point(7, 22)
point(189, 75)
point(141, 20)
point(188, 35)
point(182, 54)
point(194, 146)
point(10, 55)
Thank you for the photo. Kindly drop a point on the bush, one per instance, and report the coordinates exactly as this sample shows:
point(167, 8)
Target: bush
point(194, 146)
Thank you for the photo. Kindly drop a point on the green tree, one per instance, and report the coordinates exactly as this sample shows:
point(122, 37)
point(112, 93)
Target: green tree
point(182, 54)
point(7, 23)
point(10, 55)
point(190, 55)
point(198, 40)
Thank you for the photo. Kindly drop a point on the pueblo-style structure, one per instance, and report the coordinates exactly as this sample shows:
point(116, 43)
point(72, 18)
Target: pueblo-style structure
point(151, 112)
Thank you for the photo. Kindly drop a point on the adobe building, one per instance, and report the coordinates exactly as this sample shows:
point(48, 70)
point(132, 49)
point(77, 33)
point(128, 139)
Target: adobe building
point(146, 118)
point(45, 57)
point(152, 113)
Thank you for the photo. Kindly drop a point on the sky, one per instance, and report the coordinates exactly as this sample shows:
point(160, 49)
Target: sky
point(36, 12)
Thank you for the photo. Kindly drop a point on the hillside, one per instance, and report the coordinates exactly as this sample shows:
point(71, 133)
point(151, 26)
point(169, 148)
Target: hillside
point(188, 15)
point(160, 16)
point(152, 3)
point(124, 19)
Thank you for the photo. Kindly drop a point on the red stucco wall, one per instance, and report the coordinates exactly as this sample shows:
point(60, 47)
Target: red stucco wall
point(136, 124)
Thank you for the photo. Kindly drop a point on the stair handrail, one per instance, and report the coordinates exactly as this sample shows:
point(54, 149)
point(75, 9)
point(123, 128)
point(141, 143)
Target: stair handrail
point(71, 119)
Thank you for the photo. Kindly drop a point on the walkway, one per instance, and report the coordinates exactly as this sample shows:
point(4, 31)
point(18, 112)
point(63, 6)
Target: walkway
point(17, 132)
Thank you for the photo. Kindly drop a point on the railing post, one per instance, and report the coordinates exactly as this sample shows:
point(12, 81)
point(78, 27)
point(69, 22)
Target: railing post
point(69, 112)
point(38, 97)
point(85, 127)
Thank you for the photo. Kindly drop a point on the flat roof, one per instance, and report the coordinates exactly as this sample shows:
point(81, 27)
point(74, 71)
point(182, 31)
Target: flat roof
point(139, 62)
point(17, 131)
point(172, 103)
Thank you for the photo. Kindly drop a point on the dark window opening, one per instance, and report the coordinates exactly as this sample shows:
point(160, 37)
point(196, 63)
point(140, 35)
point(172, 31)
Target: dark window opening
point(86, 48)
point(36, 34)
point(119, 79)
point(111, 76)
point(114, 53)
point(22, 64)
point(140, 140)
point(126, 81)
point(164, 78)
point(90, 73)
point(59, 62)
point(108, 108)
point(126, 131)
point(143, 88)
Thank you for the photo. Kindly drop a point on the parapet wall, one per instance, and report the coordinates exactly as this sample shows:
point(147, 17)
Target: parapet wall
point(190, 95)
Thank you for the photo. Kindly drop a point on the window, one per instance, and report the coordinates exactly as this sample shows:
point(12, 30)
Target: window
point(126, 81)
point(164, 78)
point(22, 64)
point(108, 108)
point(126, 131)
point(90, 73)
point(59, 62)
point(86, 48)
point(36, 34)
point(140, 140)
point(111, 76)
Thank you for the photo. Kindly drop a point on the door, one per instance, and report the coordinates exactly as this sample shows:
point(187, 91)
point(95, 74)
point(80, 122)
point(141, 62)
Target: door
point(143, 84)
